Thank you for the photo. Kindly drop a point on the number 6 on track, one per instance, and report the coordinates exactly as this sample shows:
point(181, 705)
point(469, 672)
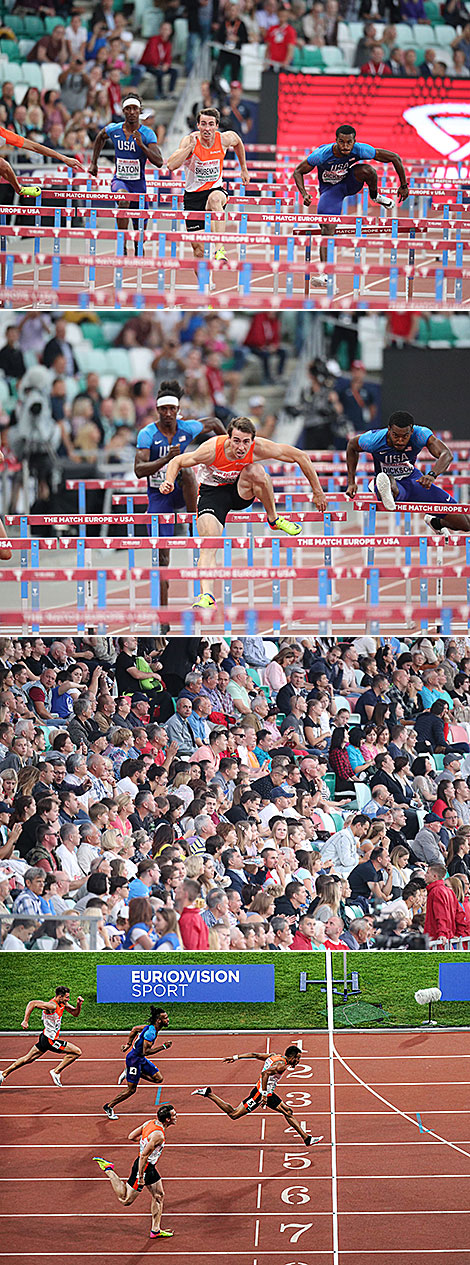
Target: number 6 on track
point(299, 1229)
point(295, 1195)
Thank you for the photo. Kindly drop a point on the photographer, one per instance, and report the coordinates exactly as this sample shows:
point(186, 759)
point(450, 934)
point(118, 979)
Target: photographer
point(324, 422)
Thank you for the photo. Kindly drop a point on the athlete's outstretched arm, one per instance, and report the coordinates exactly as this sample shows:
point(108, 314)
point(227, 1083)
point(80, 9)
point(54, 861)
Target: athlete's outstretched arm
point(444, 460)
point(212, 426)
point(300, 171)
point(265, 448)
point(387, 156)
point(352, 457)
point(180, 155)
point(100, 140)
point(233, 141)
point(204, 455)
point(36, 148)
point(235, 1057)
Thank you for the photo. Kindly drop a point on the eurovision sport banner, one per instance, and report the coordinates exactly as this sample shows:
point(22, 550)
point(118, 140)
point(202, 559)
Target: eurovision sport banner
point(417, 118)
point(189, 983)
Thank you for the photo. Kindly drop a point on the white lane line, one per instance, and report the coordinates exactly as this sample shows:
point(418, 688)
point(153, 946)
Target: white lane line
point(256, 1228)
point(261, 1159)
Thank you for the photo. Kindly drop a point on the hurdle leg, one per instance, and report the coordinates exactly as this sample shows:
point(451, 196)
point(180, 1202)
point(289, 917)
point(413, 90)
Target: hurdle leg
point(207, 525)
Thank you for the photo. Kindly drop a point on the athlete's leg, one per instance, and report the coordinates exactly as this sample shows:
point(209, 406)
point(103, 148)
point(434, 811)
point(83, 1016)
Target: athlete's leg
point(156, 1207)
point(216, 203)
point(71, 1053)
point(289, 1115)
point(456, 522)
point(7, 175)
point(30, 1057)
point(189, 490)
point(255, 482)
point(365, 174)
point(235, 1113)
point(126, 1093)
point(208, 525)
point(164, 561)
point(156, 1079)
point(5, 554)
point(121, 1188)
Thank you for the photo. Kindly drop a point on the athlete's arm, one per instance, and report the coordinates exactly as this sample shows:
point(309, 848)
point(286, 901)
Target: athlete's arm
point(74, 1010)
point(36, 148)
point(212, 426)
point(156, 1049)
point(100, 140)
point(143, 466)
point(150, 1145)
point(387, 156)
point(134, 1031)
point(300, 171)
point(265, 448)
point(37, 1005)
point(132, 1137)
point(151, 150)
point(444, 460)
point(235, 1057)
point(185, 148)
point(231, 140)
point(204, 456)
point(352, 457)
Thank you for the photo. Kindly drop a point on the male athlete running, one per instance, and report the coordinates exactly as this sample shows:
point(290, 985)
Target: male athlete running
point(50, 1039)
point(202, 154)
point(263, 1094)
point(394, 450)
point(134, 145)
point(143, 1171)
point(140, 1044)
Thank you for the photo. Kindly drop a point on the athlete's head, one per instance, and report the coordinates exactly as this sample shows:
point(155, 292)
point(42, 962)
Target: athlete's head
point(131, 108)
point(241, 432)
point(168, 401)
point(345, 138)
point(62, 992)
point(208, 121)
point(166, 1114)
point(159, 1017)
point(293, 1055)
point(399, 429)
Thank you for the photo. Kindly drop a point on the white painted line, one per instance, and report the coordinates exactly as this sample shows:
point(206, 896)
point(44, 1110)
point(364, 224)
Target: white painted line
point(258, 1194)
point(331, 1050)
point(256, 1231)
point(261, 1159)
point(263, 1127)
point(359, 1212)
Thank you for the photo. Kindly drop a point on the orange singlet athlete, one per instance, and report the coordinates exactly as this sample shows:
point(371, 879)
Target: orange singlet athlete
point(8, 176)
point(264, 1092)
point(144, 1172)
point(202, 155)
point(50, 1039)
point(232, 477)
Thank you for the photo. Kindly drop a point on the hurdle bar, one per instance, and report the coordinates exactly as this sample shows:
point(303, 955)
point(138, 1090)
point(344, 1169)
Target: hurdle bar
point(188, 622)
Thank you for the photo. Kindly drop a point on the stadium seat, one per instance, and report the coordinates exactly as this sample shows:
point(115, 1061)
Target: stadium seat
point(94, 334)
point(338, 820)
point(251, 66)
point(117, 362)
point(438, 761)
point(51, 23)
point(330, 781)
point(15, 74)
point(460, 322)
point(91, 360)
point(433, 12)
point(25, 47)
point(312, 58)
point(16, 24)
point(50, 75)
point(333, 59)
point(404, 38)
point(444, 35)
point(12, 52)
point(33, 27)
point(297, 59)
point(361, 794)
point(21, 88)
point(180, 38)
point(422, 35)
point(32, 75)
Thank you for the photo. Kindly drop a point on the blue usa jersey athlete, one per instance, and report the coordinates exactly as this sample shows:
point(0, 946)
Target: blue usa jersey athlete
point(343, 169)
point(159, 446)
point(394, 450)
point(139, 1045)
point(134, 145)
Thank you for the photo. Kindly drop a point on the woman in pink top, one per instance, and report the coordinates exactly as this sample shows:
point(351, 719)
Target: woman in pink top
point(274, 675)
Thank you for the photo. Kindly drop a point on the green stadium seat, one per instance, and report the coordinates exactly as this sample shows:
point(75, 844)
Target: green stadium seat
point(338, 820)
point(94, 334)
point(433, 12)
point(312, 59)
point(438, 762)
point(12, 51)
point(33, 27)
point(16, 23)
point(330, 781)
point(51, 23)
point(297, 59)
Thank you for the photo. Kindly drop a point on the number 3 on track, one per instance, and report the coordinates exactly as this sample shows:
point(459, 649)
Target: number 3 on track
point(299, 1229)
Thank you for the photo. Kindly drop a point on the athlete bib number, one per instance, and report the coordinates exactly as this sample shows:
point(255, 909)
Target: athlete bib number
point(207, 171)
point(128, 168)
point(155, 480)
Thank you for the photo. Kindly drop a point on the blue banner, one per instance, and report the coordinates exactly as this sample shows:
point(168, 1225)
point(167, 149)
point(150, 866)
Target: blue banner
point(190, 982)
point(454, 981)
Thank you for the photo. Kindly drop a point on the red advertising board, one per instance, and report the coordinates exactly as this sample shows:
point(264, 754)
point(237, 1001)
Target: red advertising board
point(417, 118)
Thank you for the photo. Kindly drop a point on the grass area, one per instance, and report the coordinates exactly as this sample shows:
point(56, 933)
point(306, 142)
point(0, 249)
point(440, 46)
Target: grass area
point(389, 978)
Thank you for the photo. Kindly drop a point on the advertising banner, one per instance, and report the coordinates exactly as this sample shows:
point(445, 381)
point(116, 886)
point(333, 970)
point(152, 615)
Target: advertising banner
point(190, 983)
point(417, 118)
point(454, 981)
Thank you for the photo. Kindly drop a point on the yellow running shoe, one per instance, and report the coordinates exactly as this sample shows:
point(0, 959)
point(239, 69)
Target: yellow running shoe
point(220, 253)
point(204, 602)
point(161, 1234)
point(104, 1164)
point(30, 190)
point(284, 524)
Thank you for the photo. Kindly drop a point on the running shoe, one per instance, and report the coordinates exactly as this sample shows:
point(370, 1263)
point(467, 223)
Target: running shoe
point(161, 1234)
point(30, 190)
point(2, 1078)
point(220, 254)
point(56, 1078)
point(285, 525)
point(319, 280)
point(104, 1164)
point(110, 1112)
point(204, 1092)
point(437, 527)
point(122, 1077)
point(384, 490)
point(384, 201)
point(309, 1141)
point(204, 602)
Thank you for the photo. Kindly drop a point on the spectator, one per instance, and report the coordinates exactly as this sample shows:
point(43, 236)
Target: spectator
point(441, 905)
point(376, 66)
point(232, 34)
point(281, 41)
point(157, 57)
point(11, 358)
point(193, 930)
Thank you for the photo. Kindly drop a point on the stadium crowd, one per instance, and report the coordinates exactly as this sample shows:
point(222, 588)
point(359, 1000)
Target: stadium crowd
point(272, 795)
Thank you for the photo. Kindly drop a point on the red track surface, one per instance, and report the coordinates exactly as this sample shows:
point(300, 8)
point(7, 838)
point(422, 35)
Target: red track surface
point(231, 1188)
